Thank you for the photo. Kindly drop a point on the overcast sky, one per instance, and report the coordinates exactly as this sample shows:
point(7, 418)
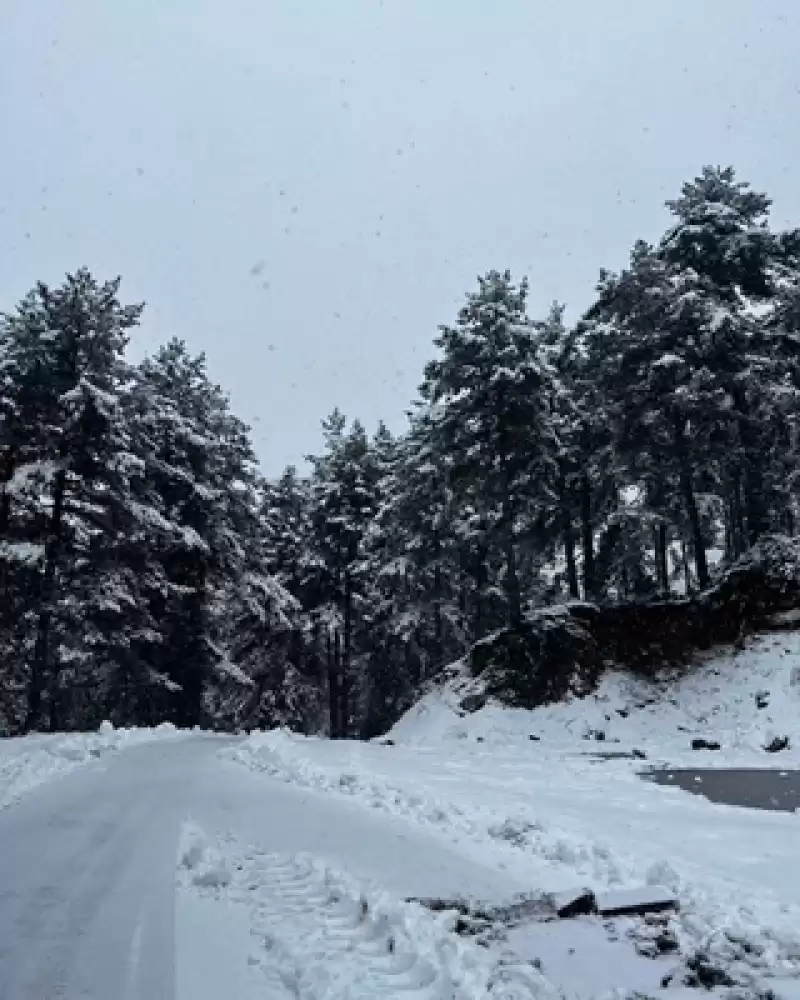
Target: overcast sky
point(304, 189)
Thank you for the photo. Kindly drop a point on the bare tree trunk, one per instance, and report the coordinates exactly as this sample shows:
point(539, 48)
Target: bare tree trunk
point(333, 688)
point(345, 675)
point(587, 538)
point(569, 551)
point(337, 661)
point(690, 501)
point(661, 558)
point(512, 582)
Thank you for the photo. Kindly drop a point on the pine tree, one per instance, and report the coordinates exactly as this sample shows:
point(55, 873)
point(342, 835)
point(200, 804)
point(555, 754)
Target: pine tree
point(345, 499)
point(493, 435)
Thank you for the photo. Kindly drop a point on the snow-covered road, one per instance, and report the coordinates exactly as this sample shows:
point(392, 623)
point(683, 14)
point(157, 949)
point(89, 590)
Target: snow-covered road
point(88, 875)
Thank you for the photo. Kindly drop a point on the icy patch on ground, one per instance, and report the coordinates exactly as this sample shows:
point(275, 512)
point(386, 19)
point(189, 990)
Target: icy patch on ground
point(28, 761)
point(319, 934)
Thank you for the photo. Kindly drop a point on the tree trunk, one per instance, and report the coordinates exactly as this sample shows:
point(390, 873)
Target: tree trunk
point(754, 505)
point(689, 499)
point(698, 542)
point(687, 575)
point(569, 552)
point(333, 688)
point(587, 538)
point(512, 582)
point(661, 558)
point(41, 648)
point(344, 687)
point(438, 647)
point(480, 582)
point(337, 666)
point(754, 500)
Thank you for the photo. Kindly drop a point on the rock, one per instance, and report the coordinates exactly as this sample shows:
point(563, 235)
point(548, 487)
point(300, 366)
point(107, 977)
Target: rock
point(579, 903)
point(480, 739)
point(700, 744)
point(473, 703)
point(548, 656)
point(535, 738)
point(702, 972)
point(762, 699)
point(638, 754)
point(647, 949)
point(386, 743)
point(636, 902)
point(666, 943)
point(623, 713)
point(599, 735)
point(778, 744)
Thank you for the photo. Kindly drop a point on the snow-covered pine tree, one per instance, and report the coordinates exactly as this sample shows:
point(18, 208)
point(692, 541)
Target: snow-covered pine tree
point(493, 436)
point(199, 469)
point(345, 482)
point(69, 490)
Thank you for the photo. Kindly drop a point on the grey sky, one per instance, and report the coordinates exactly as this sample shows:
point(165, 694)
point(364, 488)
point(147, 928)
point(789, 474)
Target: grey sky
point(304, 189)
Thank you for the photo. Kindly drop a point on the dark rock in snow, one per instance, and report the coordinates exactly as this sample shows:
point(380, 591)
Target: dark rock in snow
point(535, 738)
point(666, 942)
point(762, 699)
point(700, 744)
point(579, 903)
point(473, 703)
point(550, 655)
point(778, 744)
point(703, 972)
point(636, 902)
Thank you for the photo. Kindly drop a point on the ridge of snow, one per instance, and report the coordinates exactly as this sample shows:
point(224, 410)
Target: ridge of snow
point(26, 762)
point(319, 932)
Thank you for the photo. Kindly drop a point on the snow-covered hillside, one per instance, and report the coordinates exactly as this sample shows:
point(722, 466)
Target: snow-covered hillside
point(740, 699)
point(554, 815)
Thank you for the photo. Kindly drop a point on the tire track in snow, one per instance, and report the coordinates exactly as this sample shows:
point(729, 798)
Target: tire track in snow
point(321, 935)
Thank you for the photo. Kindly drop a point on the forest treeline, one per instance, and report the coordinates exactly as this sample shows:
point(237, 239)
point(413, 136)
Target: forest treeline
point(150, 572)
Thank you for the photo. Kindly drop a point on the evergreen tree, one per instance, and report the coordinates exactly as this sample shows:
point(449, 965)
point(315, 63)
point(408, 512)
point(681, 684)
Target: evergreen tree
point(493, 435)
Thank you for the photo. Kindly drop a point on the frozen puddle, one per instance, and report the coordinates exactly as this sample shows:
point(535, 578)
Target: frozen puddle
point(315, 933)
point(751, 788)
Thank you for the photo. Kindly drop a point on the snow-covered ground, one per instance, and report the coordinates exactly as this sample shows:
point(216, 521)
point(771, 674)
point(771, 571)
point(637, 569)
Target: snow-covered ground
point(29, 761)
point(552, 816)
point(169, 871)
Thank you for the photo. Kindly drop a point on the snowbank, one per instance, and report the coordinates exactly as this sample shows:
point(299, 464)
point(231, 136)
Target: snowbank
point(28, 761)
point(319, 932)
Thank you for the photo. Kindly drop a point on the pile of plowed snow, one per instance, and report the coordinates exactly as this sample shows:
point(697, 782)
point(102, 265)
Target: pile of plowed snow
point(742, 700)
point(28, 761)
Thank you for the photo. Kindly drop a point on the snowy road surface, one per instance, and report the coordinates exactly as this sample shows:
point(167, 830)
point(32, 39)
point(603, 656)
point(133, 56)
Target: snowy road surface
point(88, 872)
